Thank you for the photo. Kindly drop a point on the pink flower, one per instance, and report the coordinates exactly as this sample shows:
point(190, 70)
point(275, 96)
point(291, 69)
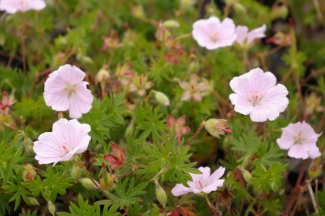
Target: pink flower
point(13, 6)
point(212, 34)
point(64, 90)
point(257, 95)
point(193, 88)
point(300, 138)
point(67, 139)
point(244, 38)
point(178, 125)
point(5, 103)
point(201, 182)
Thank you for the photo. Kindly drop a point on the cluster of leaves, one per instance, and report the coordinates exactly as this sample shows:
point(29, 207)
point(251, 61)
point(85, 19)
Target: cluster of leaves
point(32, 45)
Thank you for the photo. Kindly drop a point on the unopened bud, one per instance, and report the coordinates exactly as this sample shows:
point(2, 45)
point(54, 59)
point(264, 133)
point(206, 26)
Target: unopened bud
point(193, 67)
point(217, 127)
point(33, 201)
point(51, 207)
point(84, 59)
point(102, 75)
point(161, 98)
point(138, 12)
point(29, 172)
point(246, 175)
point(239, 8)
point(315, 168)
point(130, 129)
point(76, 172)
point(107, 183)
point(87, 183)
point(170, 24)
point(161, 195)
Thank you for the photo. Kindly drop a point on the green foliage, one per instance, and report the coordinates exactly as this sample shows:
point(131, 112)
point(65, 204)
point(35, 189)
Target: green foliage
point(268, 178)
point(149, 122)
point(83, 208)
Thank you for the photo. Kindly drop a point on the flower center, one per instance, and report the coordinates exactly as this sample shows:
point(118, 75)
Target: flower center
point(299, 139)
point(21, 3)
point(199, 184)
point(70, 89)
point(214, 37)
point(65, 151)
point(255, 100)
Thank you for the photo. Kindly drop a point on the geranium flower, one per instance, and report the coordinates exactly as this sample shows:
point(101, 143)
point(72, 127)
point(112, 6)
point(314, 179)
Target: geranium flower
point(116, 159)
point(13, 6)
point(257, 95)
point(140, 84)
point(193, 88)
point(201, 182)
point(64, 90)
point(66, 139)
point(244, 38)
point(179, 125)
point(212, 34)
point(300, 139)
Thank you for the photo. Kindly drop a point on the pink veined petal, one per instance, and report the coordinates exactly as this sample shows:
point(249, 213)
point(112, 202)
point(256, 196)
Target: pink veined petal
point(58, 102)
point(205, 174)
point(170, 121)
point(298, 151)
point(241, 32)
point(260, 81)
point(181, 120)
point(213, 186)
point(185, 130)
point(202, 86)
point(186, 95)
point(314, 153)
point(242, 105)
point(256, 33)
point(285, 142)
point(180, 189)
point(216, 175)
point(227, 28)
point(258, 115)
point(36, 4)
point(69, 155)
point(194, 187)
point(71, 74)
point(184, 85)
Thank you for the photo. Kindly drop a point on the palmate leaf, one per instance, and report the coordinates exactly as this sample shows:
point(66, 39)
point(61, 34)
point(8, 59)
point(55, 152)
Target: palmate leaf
point(83, 208)
point(150, 122)
point(248, 144)
point(104, 116)
point(268, 153)
point(17, 189)
point(126, 193)
point(267, 178)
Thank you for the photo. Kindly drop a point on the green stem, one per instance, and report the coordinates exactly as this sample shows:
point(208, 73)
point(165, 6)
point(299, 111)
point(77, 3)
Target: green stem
point(196, 133)
point(183, 36)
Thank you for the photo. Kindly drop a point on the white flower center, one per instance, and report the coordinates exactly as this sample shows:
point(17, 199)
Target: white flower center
point(214, 37)
point(70, 89)
point(66, 150)
point(255, 100)
point(22, 3)
point(200, 184)
point(299, 139)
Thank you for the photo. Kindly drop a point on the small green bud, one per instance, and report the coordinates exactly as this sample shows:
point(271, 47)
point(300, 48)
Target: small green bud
point(102, 76)
point(193, 67)
point(217, 127)
point(246, 175)
point(33, 201)
point(161, 98)
point(130, 129)
point(51, 207)
point(161, 195)
point(76, 172)
point(239, 8)
point(138, 12)
point(87, 183)
point(171, 24)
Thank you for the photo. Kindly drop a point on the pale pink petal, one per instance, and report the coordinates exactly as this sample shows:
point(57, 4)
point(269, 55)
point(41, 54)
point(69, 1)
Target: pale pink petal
point(256, 33)
point(241, 32)
point(213, 186)
point(314, 153)
point(202, 86)
point(185, 130)
point(197, 96)
point(36, 4)
point(180, 189)
point(298, 151)
point(184, 85)
point(186, 95)
point(205, 174)
point(71, 74)
point(170, 121)
point(217, 174)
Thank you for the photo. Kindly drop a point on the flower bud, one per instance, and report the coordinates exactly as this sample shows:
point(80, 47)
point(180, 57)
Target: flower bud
point(102, 76)
point(161, 98)
point(315, 168)
point(193, 67)
point(138, 12)
point(239, 8)
point(161, 195)
point(33, 201)
point(246, 175)
point(130, 129)
point(170, 24)
point(87, 183)
point(51, 207)
point(107, 183)
point(29, 172)
point(76, 172)
point(217, 127)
